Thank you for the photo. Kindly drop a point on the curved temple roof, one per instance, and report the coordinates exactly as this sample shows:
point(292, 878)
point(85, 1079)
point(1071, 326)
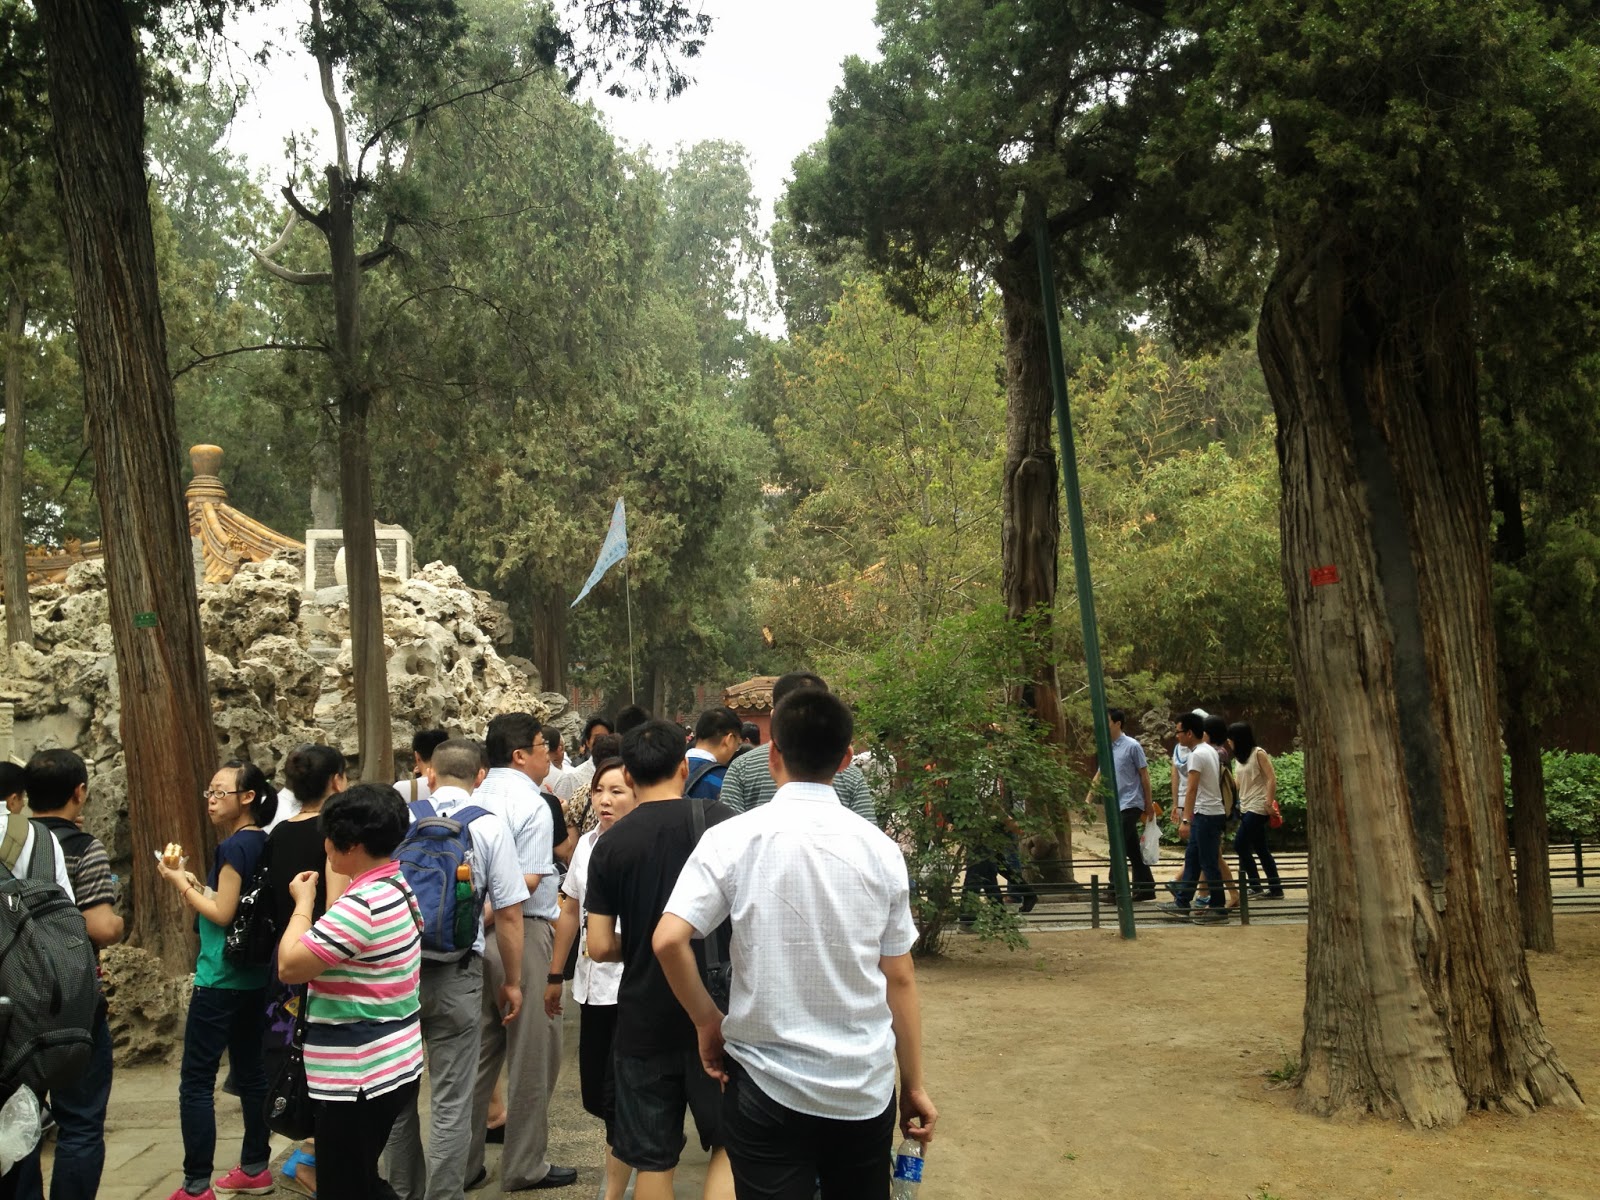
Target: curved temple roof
point(228, 538)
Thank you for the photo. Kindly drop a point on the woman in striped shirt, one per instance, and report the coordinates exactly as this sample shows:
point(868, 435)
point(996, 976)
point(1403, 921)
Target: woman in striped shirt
point(362, 960)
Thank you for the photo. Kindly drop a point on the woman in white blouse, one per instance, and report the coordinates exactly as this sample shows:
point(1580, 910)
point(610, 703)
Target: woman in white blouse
point(594, 984)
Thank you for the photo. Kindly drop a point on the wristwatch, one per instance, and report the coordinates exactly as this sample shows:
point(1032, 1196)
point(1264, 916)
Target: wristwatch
point(555, 977)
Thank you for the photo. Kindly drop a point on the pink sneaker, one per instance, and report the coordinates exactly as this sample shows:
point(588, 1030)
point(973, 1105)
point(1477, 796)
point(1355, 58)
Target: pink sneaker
point(236, 1182)
point(180, 1194)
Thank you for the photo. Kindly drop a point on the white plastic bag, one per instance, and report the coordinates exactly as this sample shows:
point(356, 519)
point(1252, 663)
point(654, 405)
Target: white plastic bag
point(1150, 843)
point(20, 1127)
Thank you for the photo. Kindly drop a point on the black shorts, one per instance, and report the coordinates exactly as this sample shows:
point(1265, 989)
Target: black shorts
point(652, 1096)
point(596, 1080)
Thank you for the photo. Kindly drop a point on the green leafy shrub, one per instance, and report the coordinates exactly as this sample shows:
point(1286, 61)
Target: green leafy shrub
point(936, 716)
point(1571, 794)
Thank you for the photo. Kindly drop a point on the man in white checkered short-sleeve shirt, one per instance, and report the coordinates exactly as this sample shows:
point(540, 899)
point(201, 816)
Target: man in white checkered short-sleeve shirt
point(824, 999)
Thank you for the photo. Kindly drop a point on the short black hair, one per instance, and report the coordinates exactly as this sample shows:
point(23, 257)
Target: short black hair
point(812, 730)
point(1117, 715)
point(425, 741)
point(631, 718)
point(596, 722)
point(52, 778)
point(508, 733)
point(552, 737)
point(604, 765)
point(793, 682)
point(1192, 723)
point(369, 815)
point(311, 768)
point(751, 732)
point(607, 745)
point(1216, 730)
point(716, 723)
point(653, 751)
point(13, 779)
point(250, 778)
point(458, 758)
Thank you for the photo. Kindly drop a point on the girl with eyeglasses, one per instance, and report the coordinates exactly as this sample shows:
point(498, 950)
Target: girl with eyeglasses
point(227, 1011)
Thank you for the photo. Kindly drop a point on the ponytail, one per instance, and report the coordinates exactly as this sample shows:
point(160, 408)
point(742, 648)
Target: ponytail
point(251, 778)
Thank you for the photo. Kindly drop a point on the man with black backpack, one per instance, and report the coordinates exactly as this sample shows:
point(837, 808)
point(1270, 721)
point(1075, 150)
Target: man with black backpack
point(456, 854)
point(717, 735)
point(632, 873)
point(58, 786)
point(49, 940)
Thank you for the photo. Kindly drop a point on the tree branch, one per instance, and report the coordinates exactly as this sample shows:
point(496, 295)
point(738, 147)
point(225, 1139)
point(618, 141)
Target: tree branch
point(432, 106)
point(302, 278)
point(201, 359)
point(319, 219)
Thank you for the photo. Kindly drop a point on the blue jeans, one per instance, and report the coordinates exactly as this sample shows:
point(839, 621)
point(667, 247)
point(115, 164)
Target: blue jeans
point(80, 1113)
point(1203, 857)
point(222, 1019)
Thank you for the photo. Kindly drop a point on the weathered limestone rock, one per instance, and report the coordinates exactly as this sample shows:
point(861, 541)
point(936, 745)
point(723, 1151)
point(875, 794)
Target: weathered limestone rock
point(146, 1006)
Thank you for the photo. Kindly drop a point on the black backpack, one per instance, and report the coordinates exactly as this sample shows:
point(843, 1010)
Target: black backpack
point(49, 985)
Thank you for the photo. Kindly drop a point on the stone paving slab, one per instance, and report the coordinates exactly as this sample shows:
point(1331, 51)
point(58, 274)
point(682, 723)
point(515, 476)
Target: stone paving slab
point(144, 1148)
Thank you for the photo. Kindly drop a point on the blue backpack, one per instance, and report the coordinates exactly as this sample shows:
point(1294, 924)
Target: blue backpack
point(433, 851)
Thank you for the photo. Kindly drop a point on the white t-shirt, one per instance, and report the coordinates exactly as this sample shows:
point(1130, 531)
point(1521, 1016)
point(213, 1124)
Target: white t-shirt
point(592, 982)
point(494, 857)
point(25, 858)
point(817, 896)
point(1208, 795)
point(403, 786)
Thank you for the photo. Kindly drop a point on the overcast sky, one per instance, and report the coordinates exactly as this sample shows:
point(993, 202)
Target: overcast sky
point(763, 80)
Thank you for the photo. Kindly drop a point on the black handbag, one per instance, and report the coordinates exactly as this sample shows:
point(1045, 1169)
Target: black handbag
point(290, 1110)
point(719, 971)
point(253, 933)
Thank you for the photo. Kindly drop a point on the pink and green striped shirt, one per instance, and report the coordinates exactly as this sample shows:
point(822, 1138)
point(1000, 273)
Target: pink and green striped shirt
point(363, 1036)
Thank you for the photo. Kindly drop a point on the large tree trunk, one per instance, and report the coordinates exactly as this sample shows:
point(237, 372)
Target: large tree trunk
point(1418, 1001)
point(1030, 525)
point(547, 640)
point(13, 539)
point(369, 662)
point(97, 114)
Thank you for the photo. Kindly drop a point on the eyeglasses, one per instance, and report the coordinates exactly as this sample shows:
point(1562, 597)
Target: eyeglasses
point(537, 746)
point(217, 793)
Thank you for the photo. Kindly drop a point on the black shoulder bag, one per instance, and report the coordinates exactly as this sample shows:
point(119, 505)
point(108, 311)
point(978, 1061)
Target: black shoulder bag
point(290, 1110)
point(719, 971)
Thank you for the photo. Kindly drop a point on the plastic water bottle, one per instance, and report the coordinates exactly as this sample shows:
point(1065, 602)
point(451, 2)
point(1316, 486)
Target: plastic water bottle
point(907, 1170)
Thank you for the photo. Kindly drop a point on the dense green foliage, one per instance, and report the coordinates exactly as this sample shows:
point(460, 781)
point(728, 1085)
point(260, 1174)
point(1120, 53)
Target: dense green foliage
point(955, 759)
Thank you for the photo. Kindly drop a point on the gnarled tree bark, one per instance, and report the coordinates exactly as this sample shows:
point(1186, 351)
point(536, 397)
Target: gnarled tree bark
point(97, 117)
point(1418, 1001)
point(1030, 522)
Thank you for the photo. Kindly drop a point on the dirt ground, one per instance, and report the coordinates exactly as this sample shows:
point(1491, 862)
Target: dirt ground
point(1086, 1067)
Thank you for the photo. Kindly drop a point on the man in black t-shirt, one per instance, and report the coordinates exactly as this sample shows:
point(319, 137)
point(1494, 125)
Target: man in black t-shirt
point(657, 1061)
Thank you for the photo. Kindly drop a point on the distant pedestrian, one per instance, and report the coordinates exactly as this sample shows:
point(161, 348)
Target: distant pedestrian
point(1135, 805)
point(423, 743)
point(227, 1009)
point(1258, 792)
point(716, 737)
point(749, 783)
point(1200, 823)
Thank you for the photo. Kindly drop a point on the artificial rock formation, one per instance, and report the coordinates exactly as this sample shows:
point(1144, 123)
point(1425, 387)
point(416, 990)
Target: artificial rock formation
point(279, 670)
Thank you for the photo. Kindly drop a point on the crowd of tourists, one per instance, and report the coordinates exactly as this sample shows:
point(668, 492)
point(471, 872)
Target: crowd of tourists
point(734, 936)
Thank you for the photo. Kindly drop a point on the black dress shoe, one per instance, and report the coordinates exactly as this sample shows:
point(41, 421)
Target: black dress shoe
point(478, 1180)
point(556, 1177)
